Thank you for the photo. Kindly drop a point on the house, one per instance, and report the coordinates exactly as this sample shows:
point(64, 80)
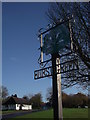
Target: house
point(15, 103)
point(45, 106)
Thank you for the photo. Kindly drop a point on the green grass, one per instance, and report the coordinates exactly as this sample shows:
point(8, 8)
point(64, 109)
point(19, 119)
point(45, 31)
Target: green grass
point(0, 112)
point(75, 113)
point(67, 113)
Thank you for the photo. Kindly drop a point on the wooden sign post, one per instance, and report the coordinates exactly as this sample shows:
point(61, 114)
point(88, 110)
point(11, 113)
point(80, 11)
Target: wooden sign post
point(55, 90)
point(60, 112)
point(56, 69)
point(56, 83)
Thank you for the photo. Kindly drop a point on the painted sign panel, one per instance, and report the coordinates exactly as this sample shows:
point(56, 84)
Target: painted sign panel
point(56, 39)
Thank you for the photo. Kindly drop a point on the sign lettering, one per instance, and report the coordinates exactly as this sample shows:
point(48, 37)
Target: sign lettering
point(46, 72)
point(61, 68)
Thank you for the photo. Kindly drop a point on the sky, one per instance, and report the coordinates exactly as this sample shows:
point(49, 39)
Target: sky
point(20, 24)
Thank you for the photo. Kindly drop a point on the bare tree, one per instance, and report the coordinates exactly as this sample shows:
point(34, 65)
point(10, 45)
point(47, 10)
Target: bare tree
point(36, 101)
point(70, 101)
point(49, 96)
point(28, 96)
point(3, 92)
point(80, 39)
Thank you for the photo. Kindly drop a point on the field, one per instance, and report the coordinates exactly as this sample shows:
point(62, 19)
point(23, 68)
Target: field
point(67, 113)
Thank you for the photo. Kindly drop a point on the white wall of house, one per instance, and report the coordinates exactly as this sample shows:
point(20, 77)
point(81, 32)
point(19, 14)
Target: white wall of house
point(23, 107)
point(17, 106)
point(26, 107)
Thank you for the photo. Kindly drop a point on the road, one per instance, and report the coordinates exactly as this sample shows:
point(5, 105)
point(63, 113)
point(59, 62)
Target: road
point(13, 115)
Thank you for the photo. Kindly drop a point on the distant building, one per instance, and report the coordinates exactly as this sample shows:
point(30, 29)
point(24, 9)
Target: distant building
point(45, 106)
point(15, 103)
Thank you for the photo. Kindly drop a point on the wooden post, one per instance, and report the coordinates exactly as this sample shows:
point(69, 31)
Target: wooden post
point(55, 91)
point(71, 35)
point(56, 83)
point(41, 50)
point(59, 90)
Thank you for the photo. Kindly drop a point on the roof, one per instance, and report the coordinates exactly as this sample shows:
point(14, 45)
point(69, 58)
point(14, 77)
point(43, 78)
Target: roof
point(15, 100)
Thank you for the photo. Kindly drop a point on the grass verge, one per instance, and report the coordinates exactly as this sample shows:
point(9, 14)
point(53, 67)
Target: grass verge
point(67, 113)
